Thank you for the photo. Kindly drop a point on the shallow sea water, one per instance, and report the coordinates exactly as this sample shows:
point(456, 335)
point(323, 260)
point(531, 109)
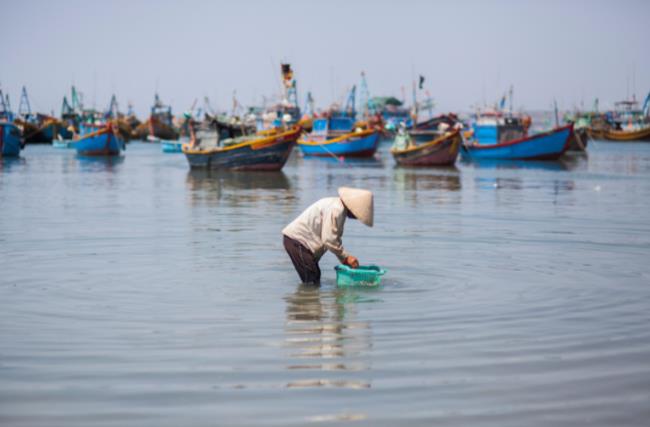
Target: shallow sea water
point(136, 292)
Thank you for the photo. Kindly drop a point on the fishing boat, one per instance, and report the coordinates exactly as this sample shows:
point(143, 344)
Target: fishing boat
point(578, 140)
point(626, 123)
point(11, 141)
point(392, 112)
point(172, 146)
point(434, 123)
point(11, 138)
point(581, 123)
point(30, 124)
point(63, 143)
point(548, 145)
point(264, 151)
point(283, 113)
point(621, 135)
point(426, 148)
point(337, 137)
point(99, 140)
point(160, 124)
point(434, 142)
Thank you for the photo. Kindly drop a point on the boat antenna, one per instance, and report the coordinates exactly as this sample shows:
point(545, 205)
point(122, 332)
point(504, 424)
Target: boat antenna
point(510, 92)
point(24, 109)
point(633, 82)
point(94, 89)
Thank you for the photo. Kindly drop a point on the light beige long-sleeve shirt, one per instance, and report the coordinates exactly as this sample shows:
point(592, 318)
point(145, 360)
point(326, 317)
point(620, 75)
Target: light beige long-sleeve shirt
point(320, 227)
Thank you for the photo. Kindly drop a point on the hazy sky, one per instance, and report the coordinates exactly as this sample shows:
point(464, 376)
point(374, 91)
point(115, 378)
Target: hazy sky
point(469, 51)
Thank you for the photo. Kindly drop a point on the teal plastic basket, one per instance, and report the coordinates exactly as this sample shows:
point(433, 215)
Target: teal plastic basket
point(364, 275)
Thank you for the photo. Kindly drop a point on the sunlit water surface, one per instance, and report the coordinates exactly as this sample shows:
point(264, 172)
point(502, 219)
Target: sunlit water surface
point(135, 292)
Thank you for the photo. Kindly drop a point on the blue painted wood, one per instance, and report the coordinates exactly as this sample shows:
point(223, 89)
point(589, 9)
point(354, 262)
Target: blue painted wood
point(63, 143)
point(350, 146)
point(343, 124)
point(103, 142)
point(169, 146)
point(50, 132)
point(486, 134)
point(543, 146)
point(64, 133)
point(86, 128)
point(10, 140)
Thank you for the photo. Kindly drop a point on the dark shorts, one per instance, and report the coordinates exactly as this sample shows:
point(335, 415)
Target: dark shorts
point(303, 260)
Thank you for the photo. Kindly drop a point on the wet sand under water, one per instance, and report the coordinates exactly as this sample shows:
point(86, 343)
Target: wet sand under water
point(136, 292)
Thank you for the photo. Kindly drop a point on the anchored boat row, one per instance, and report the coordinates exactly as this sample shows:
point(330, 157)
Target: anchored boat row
point(263, 138)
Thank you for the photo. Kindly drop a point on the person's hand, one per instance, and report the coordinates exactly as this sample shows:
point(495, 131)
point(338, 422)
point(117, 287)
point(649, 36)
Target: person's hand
point(351, 261)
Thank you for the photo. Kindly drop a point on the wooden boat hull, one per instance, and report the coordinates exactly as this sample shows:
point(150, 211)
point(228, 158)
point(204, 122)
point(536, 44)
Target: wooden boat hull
point(155, 128)
point(64, 133)
point(578, 140)
point(33, 133)
point(441, 151)
point(10, 140)
point(356, 144)
point(620, 135)
point(549, 145)
point(103, 142)
point(268, 153)
point(433, 123)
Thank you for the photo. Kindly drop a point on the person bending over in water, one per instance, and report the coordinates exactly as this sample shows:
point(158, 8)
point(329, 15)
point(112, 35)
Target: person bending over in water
point(320, 227)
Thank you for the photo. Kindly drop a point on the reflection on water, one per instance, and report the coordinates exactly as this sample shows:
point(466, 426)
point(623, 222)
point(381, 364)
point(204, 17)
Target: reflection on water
point(8, 163)
point(440, 186)
point(447, 178)
point(551, 165)
point(346, 162)
point(99, 163)
point(502, 183)
point(236, 187)
point(146, 292)
point(207, 179)
point(323, 335)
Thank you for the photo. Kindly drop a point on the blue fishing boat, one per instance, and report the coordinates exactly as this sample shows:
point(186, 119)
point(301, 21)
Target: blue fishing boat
point(11, 138)
point(337, 137)
point(549, 145)
point(171, 146)
point(11, 141)
point(63, 143)
point(103, 141)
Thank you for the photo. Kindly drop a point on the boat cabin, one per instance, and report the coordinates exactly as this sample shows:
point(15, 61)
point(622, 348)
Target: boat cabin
point(494, 128)
point(331, 127)
point(162, 112)
point(628, 116)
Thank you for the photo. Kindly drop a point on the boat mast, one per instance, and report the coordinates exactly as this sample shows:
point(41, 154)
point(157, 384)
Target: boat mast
point(65, 107)
point(414, 110)
point(207, 107)
point(368, 106)
point(309, 105)
point(351, 101)
point(112, 108)
point(5, 108)
point(24, 109)
point(289, 86)
point(510, 92)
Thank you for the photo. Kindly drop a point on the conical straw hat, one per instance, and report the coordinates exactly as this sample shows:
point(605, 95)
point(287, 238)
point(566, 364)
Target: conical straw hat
point(359, 202)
